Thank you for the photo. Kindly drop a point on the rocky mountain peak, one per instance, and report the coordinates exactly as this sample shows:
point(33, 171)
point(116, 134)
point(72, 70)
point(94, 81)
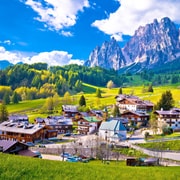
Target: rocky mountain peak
point(108, 55)
point(152, 45)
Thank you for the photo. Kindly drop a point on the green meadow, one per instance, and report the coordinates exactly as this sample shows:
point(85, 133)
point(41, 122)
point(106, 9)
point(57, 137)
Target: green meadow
point(32, 107)
point(13, 167)
point(173, 145)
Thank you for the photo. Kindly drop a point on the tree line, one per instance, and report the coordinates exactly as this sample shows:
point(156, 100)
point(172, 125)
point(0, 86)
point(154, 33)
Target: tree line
point(27, 82)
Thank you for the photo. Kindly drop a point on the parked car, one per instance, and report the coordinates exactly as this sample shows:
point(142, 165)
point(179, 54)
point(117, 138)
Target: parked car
point(30, 144)
point(65, 155)
point(72, 159)
point(67, 134)
point(38, 154)
point(42, 146)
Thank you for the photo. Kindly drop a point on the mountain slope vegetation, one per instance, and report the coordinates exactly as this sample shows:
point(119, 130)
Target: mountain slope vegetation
point(40, 81)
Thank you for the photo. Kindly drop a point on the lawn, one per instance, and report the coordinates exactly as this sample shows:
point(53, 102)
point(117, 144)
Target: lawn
point(131, 152)
point(14, 167)
point(161, 136)
point(162, 145)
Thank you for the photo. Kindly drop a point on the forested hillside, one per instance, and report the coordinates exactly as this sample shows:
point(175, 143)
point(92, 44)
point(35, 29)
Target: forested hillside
point(40, 81)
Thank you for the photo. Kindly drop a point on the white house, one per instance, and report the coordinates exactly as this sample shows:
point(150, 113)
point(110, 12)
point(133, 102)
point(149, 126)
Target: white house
point(88, 125)
point(170, 117)
point(133, 103)
point(112, 131)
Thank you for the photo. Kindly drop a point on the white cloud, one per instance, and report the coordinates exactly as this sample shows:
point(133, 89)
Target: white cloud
point(134, 13)
point(76, 61)
point(58, 14)
point(8, 42)
point(66, 33)
point(13, 57)
point(53, 58)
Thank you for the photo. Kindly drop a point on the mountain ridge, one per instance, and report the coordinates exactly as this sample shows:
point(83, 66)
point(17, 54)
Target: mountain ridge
point(151, 46)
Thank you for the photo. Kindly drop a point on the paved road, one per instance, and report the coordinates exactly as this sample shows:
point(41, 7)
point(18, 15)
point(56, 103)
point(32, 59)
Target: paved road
point(51, 157)
point(137, 137)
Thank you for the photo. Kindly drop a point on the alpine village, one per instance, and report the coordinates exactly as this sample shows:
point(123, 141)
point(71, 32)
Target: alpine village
point(121, 108)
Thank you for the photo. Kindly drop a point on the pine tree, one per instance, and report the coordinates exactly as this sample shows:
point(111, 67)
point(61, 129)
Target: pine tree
point(98, 93)
point(6, 98)
point(15, 98)
point(166, 102)
point(82, 101)
point(3, 113)
point(150, 88)
point(120, 91)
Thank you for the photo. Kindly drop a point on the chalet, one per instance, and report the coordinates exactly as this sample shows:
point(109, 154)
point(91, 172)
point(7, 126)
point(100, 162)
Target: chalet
point(112, 131)
point(135, 117)
point(170, 117)
point(69, 110)
point(133, 103)
point(88, 124)
point(60, 124)
point(15, 147)
point(21, 131)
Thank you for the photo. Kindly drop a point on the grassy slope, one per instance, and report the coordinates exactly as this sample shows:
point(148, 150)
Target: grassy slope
point(13, 167)
point(173, 145)
point(108, 98)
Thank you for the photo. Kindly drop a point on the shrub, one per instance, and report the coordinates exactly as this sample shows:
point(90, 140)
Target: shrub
point(146, 135)
point(167, 130)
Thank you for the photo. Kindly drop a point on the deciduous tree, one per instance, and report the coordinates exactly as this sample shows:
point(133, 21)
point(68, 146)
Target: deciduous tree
point(110, 84)
point(116, 111)
point(3, 113)
point(67, 98)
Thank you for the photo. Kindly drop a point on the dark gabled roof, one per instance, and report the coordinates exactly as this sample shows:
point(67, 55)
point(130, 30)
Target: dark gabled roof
point(70, 108)
point(27, 152)
point(167, 112)
point(25, 129)
point(140, 114)
point(6, 144)
point(133, 100)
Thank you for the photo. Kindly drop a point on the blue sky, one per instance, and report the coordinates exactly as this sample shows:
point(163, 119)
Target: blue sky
point(60, 32)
